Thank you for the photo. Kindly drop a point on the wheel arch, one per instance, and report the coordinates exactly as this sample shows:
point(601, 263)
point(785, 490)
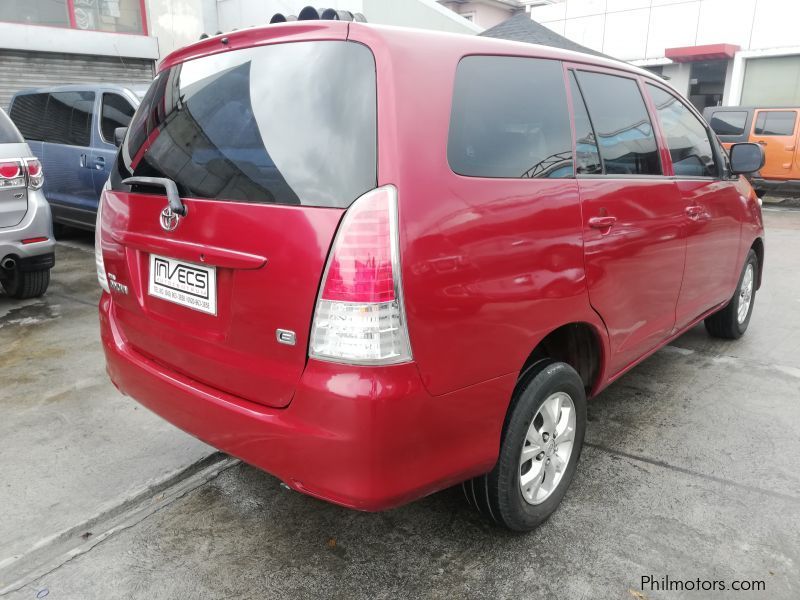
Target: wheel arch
point(577, 344)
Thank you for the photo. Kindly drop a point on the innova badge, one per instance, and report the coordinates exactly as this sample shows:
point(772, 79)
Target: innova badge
point(169, 219)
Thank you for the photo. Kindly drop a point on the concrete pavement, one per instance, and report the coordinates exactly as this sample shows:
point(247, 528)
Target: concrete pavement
point(689, 472)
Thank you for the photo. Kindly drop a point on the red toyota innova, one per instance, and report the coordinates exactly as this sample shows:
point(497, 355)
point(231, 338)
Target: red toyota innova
point(377, 262)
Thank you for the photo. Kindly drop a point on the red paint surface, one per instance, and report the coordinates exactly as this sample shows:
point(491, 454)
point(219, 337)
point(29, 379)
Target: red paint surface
point(489, 268)
point(706, 52)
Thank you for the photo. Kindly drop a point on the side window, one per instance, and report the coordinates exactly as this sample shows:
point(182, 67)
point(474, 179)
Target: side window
point(115, 112)
point(624, 132)
point(587, 159)
point(509, 119)
point(68, 118)
point(27, 112)
point(775, 122)
point(725, 122)
point(687, 137)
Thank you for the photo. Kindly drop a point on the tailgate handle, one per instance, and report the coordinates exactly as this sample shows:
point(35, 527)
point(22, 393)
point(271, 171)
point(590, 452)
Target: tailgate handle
point(175, 203)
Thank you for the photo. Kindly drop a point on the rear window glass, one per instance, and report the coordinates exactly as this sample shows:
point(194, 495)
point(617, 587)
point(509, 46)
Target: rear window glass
point(68, 118)
point(775, 123)
point(288, 123)
point(728, 123)
point(8, 133)
point(509, 119)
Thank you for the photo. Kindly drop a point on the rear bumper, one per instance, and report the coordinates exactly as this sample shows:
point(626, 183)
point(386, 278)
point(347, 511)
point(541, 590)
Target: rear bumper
point(36, 223)
point(365, 438)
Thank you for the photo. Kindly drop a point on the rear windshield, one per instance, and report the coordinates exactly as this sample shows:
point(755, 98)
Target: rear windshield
point(290, 123)
point(8, 133)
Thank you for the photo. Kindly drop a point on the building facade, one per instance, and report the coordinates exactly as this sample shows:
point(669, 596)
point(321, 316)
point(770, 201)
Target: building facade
point(729, 52)
point(50, 42)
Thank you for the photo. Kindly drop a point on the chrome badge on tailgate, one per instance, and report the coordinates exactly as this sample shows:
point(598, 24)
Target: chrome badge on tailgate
point(185, 283)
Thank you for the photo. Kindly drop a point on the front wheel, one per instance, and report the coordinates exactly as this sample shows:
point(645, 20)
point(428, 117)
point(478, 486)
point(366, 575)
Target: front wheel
point(731, 322)
point(27, 284)
point(541, 444)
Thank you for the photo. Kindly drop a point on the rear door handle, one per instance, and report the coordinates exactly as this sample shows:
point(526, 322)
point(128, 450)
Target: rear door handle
point(761, 143)
point(602, 222)
point(99, 163)
point(83, 161)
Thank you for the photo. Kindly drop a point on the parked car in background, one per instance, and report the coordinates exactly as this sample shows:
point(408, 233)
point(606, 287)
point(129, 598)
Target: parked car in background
point(375, 296)
point(776, 130)
point(71, 129)
point(26, 230)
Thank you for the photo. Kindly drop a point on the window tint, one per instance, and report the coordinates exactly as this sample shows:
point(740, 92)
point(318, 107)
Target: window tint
point(728, 123)
point(587, 159)
point(115, 112)
point(687, 138)
point(68, 118)
point(27, 112)
point(288, 123)
point(8, 133)
point(775, 123)
point(618, 113)
point(509, 119)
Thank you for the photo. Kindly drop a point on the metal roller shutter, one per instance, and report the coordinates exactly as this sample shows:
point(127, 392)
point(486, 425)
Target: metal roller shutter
point(20, 69)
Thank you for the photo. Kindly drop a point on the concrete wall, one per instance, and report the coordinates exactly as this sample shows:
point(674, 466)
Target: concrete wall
point(176, 23)
point(426, 14)
point(642, 29)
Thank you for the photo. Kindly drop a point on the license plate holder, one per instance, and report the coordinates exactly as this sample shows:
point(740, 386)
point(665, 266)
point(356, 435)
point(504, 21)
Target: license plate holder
point(182, 282)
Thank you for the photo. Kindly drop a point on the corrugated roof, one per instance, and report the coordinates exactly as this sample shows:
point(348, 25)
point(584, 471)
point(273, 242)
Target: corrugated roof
point(521, 28)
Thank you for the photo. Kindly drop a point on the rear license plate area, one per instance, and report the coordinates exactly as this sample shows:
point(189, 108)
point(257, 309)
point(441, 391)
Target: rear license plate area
point(185, 283)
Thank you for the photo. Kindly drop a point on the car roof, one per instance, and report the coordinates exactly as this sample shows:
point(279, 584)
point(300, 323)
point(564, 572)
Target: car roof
point(137, 89)
point(389, 36)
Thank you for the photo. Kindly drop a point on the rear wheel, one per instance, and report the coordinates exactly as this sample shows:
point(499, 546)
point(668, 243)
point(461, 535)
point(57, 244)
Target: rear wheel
point(542, 441)
point(731, 322)
point(26, 284)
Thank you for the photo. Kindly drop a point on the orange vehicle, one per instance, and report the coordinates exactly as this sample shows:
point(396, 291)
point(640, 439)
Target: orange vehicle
point(775, 129)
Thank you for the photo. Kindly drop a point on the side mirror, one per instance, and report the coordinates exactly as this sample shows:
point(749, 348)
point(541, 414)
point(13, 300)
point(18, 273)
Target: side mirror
point(119, 135)
point(746, 158)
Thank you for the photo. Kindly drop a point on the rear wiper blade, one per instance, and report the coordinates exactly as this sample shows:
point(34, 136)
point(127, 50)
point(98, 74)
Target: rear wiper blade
point(174, 199)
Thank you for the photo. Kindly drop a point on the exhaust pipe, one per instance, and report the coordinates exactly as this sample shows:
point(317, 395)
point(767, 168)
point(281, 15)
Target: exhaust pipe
point(9, 264)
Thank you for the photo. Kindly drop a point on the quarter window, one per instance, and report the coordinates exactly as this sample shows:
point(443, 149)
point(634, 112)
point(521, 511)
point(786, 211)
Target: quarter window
point(509, 119)
point(27, 112)
point(68, 118)
point(687, 138)
point(115, 112)
point(729, 122)
point(775, 122)
point(624, 132)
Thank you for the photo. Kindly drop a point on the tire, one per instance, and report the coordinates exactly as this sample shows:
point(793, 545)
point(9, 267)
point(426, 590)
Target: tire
point(727, 323)
point(27, 284)
point(498, 495)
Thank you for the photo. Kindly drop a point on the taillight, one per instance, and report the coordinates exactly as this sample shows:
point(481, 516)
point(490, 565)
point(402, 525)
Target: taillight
point(360, 317)
point(11, 174)
point(98, 247)
point(35, 173)
point(20, 173)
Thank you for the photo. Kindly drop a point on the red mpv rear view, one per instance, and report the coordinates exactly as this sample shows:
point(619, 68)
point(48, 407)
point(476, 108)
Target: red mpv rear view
point(378, 262)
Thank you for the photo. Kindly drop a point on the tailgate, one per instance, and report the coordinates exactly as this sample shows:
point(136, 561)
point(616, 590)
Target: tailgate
point(268, 146)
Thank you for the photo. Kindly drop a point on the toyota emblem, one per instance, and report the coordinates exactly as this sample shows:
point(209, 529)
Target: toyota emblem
point(169, 219)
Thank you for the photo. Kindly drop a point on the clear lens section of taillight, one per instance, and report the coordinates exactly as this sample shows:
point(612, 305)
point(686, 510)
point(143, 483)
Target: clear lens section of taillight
point(11, 174)
point(98, 248)
point(35, 173)
point(360, 317)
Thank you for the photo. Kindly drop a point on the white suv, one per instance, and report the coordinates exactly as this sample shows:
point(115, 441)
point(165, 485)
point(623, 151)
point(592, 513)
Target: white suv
point(26, 228)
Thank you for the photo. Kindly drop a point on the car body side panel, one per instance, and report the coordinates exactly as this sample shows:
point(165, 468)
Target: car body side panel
point(490, 266)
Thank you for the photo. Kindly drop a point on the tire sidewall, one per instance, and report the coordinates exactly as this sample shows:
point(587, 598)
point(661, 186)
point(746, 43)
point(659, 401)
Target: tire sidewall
point(552, 378)
point(752, 259)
